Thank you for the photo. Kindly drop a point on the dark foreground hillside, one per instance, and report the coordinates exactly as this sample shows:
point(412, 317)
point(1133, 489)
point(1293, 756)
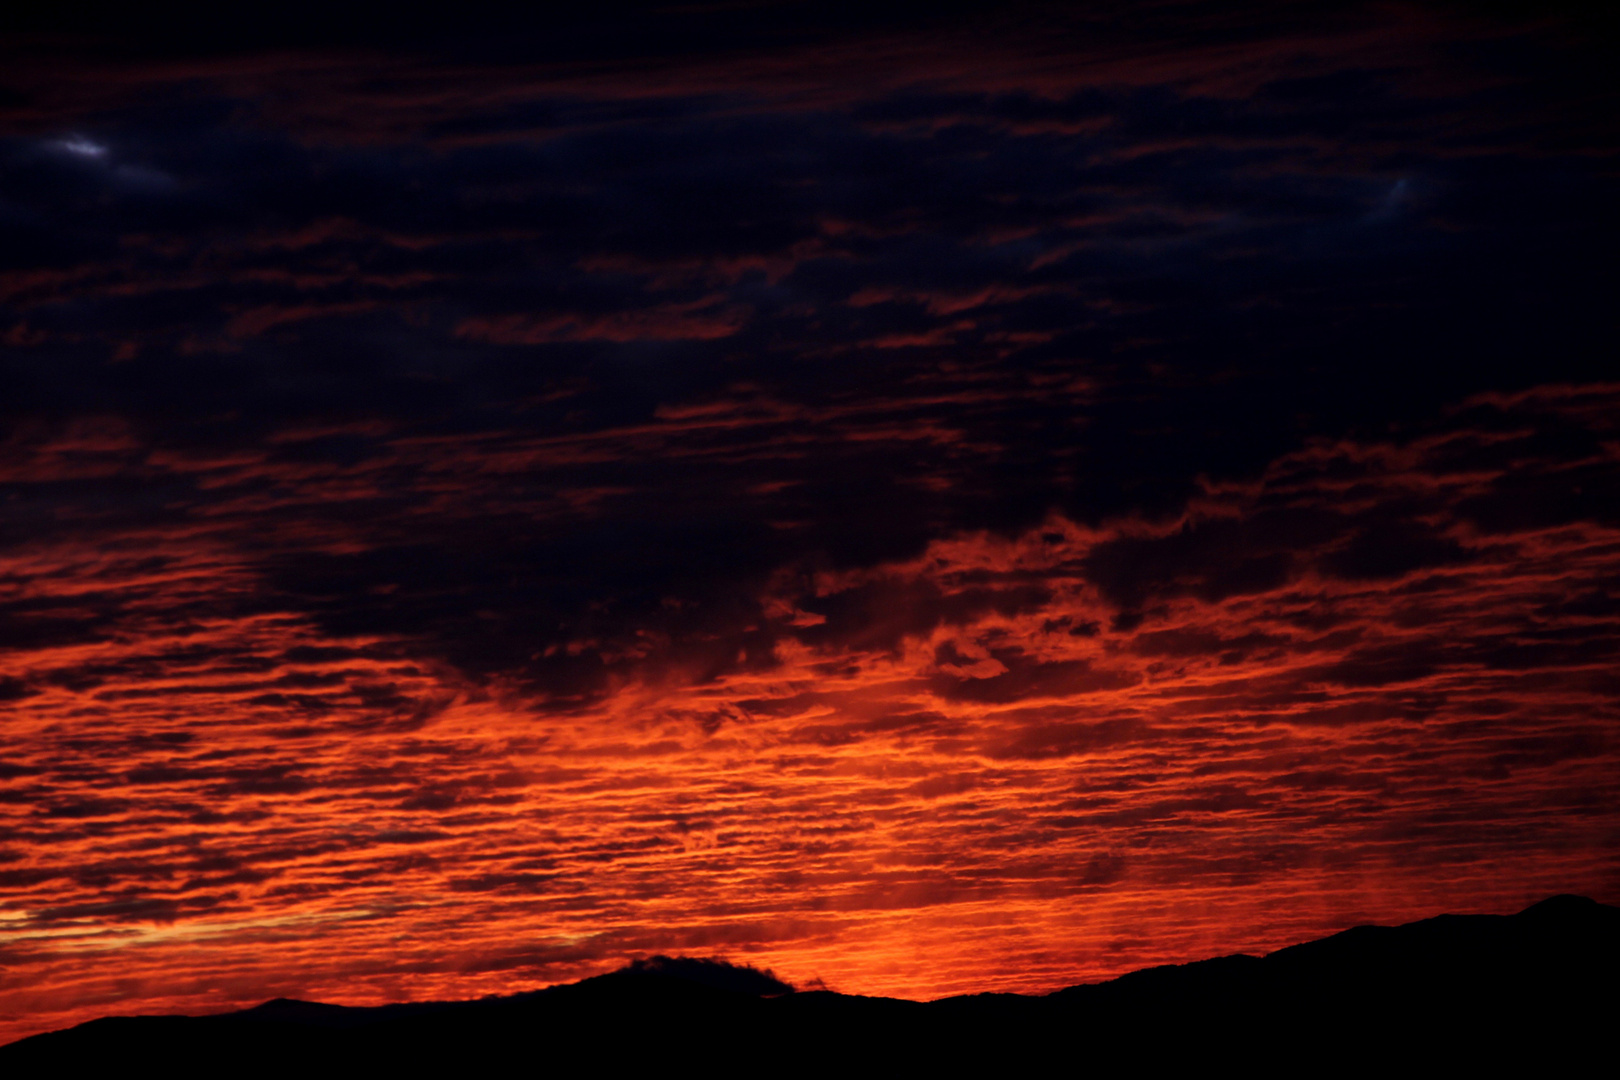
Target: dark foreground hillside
point(1533, 990)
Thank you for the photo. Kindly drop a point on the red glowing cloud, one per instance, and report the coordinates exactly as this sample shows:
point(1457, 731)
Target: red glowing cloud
point(968, 770)
point(928, 512)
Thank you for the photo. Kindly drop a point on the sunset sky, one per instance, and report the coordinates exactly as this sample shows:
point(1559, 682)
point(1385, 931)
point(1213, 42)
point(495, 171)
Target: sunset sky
point(978, 501)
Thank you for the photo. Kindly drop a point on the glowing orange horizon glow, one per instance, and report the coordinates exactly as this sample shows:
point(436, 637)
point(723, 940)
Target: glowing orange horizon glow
point(996, 785)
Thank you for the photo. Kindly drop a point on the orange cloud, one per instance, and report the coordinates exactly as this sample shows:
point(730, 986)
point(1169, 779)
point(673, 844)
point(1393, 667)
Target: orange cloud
point(958, 772)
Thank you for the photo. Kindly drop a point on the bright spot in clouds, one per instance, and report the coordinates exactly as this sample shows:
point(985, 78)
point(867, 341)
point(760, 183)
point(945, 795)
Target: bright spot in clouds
point(79, 146)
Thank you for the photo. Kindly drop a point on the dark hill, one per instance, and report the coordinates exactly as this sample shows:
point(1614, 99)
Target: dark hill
point(1533, 991)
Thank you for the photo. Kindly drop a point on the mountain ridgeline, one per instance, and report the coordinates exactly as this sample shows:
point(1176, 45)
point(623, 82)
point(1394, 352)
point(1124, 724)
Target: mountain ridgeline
point(1531, 990)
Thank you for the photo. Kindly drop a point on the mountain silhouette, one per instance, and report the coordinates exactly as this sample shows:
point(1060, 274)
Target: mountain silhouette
point(1537, 990)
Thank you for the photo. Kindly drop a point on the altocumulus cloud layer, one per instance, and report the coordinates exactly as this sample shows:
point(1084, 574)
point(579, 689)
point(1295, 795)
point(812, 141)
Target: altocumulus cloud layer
point(976, 505)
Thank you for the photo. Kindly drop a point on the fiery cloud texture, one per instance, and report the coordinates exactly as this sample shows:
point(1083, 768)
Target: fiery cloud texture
point(933, 507)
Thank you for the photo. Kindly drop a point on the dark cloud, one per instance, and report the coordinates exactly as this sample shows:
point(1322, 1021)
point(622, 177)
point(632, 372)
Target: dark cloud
point(1113, 288)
